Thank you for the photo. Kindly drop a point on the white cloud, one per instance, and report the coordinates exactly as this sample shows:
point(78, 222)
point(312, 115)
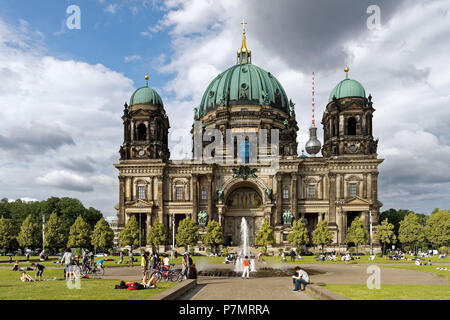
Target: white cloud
point(132, 58)
point(65, 180)
point(111, 8)
point(69, 130)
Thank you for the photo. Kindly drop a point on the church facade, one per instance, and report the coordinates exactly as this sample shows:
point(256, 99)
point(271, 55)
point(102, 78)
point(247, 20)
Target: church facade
point(246, 104)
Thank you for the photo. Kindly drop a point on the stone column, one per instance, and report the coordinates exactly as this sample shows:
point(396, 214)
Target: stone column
point(149, 221)
point(374, 188)
point(121, 215)
point(127, 189)
point(194, 197)
point(294, 195)
point(132, 131)
point(210, 196)
point(159, 198)
point(332, 197)
point(188, 189)
point(277, 219)
point(300, 186)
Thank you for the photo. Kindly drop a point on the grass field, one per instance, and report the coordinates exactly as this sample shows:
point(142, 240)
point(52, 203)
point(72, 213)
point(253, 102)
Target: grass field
point(11, 288)
point(392, 291)
point(204, 259)
point(431, 269)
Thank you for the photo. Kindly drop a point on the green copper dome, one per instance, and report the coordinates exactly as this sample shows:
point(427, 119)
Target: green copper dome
point(347, 88)
point(145, 95)
point(244, 84)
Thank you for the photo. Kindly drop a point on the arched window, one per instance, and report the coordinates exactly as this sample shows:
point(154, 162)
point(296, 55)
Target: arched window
point(244, 151)
point(142, 132)
point(351, 126)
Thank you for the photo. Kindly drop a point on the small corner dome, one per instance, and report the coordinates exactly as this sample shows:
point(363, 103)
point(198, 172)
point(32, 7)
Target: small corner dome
point(347, 88)
point(146, 95)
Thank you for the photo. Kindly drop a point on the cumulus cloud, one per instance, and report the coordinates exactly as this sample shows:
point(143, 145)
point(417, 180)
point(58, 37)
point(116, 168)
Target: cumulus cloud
point(132, 58)
point(65, 180)
point(61, 125)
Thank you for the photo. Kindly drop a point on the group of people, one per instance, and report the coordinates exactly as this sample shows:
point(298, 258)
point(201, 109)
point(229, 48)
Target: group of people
point(26, 277)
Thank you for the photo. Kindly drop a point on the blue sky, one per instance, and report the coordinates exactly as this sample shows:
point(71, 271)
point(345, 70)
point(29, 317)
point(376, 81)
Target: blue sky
point(105, 37)
point(62, 91)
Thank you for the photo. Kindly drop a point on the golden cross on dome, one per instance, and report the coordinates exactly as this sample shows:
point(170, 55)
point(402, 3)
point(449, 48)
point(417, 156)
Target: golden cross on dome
point(243, 25)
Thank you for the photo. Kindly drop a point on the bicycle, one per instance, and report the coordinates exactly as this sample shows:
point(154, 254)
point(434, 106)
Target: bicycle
point(97, 269)
point(167, 275)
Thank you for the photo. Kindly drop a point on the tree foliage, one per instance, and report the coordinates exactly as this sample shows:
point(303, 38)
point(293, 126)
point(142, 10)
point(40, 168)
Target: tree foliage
point(157, 234)
point(30, 234)
point(55, 236)
point(102, 236)
point(357, 234)
point(213, 235)
point(321, 236)
point(265, 237)
point(411, 231)
point(8, 234)
point(129, 236)
point(299, 234)
point(187, 233)
point(385, 234)
point(437, 229)
point(80, 234)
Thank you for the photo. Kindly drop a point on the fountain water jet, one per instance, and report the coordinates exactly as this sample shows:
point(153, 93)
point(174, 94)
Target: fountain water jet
point(245, 249)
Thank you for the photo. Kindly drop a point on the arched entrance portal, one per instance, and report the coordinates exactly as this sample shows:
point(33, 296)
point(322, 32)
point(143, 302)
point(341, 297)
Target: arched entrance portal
point(243, 200)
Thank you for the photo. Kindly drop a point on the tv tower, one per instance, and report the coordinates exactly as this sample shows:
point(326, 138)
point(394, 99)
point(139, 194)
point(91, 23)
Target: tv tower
point(313, 145)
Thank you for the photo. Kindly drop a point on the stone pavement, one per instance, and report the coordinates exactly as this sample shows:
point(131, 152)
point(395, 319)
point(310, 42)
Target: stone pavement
point(209, 288)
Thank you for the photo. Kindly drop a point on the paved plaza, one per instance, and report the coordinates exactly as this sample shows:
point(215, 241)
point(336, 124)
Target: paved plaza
point(280, 288)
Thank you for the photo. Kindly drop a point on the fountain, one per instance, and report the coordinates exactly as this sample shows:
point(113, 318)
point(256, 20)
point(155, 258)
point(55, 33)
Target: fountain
point(244, 250)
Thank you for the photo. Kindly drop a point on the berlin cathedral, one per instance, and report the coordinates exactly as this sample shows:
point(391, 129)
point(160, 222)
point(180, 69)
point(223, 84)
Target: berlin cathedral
point(337, 186)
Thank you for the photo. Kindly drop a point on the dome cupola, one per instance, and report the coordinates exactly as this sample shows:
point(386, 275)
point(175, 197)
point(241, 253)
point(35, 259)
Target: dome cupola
point(347, 88)
point(146, 95)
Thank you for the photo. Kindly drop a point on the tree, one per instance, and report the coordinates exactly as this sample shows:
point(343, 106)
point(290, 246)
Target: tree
point(8, 234)
point(80, 234)
point(321, 235)
point(385, 234)
point(437, 229)
point(187, 233)
point(395, 217)
point(103, 235)
point(411, 231)
point(264, 237)
point(213, 235)
point(129, 236)
point(30, 234)
point(357, 234)
point(299, 234)
point(157, 235)
point(55, 233)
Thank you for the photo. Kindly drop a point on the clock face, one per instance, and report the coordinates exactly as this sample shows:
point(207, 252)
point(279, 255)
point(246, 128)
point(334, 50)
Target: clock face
point(141, 152)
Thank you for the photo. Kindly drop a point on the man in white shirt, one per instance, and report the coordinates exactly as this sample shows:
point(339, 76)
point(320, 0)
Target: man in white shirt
point(301, 279)
point(166, 262)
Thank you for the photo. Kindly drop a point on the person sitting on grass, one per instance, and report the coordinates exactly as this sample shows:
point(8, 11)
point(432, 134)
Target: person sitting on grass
point(26, 278)
point(151, 283)
point(430, 263)
point(40, 270)
point(300, 279)
point(16, 266)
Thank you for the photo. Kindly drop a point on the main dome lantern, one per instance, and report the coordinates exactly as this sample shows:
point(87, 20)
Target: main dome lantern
point(243, 84)
point(347, 88)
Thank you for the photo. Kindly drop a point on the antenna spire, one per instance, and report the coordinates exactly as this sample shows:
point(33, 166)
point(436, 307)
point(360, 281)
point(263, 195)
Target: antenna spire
point(313, 102)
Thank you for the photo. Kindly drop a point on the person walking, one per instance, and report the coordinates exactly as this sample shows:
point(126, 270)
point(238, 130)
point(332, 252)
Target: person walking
point(121, 257)
point(67, 258)
point(292, 254)
point(185, 267)
point(130, 259)
point(246, 268)
point(144, 265)
point(28, 256)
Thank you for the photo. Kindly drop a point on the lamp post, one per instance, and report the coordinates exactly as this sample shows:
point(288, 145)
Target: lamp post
point(43, 231)
point(173, 236)
point(370, 232)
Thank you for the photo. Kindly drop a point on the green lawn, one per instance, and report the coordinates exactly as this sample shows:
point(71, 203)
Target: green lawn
point(204, 259)
point(392, 291)
point(11, 288)
point(431, 269)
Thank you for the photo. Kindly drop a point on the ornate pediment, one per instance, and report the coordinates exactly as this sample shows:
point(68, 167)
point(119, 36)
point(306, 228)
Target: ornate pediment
point(139, 203)
point(356, 201)
point(244, 172)
point(353, 178)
